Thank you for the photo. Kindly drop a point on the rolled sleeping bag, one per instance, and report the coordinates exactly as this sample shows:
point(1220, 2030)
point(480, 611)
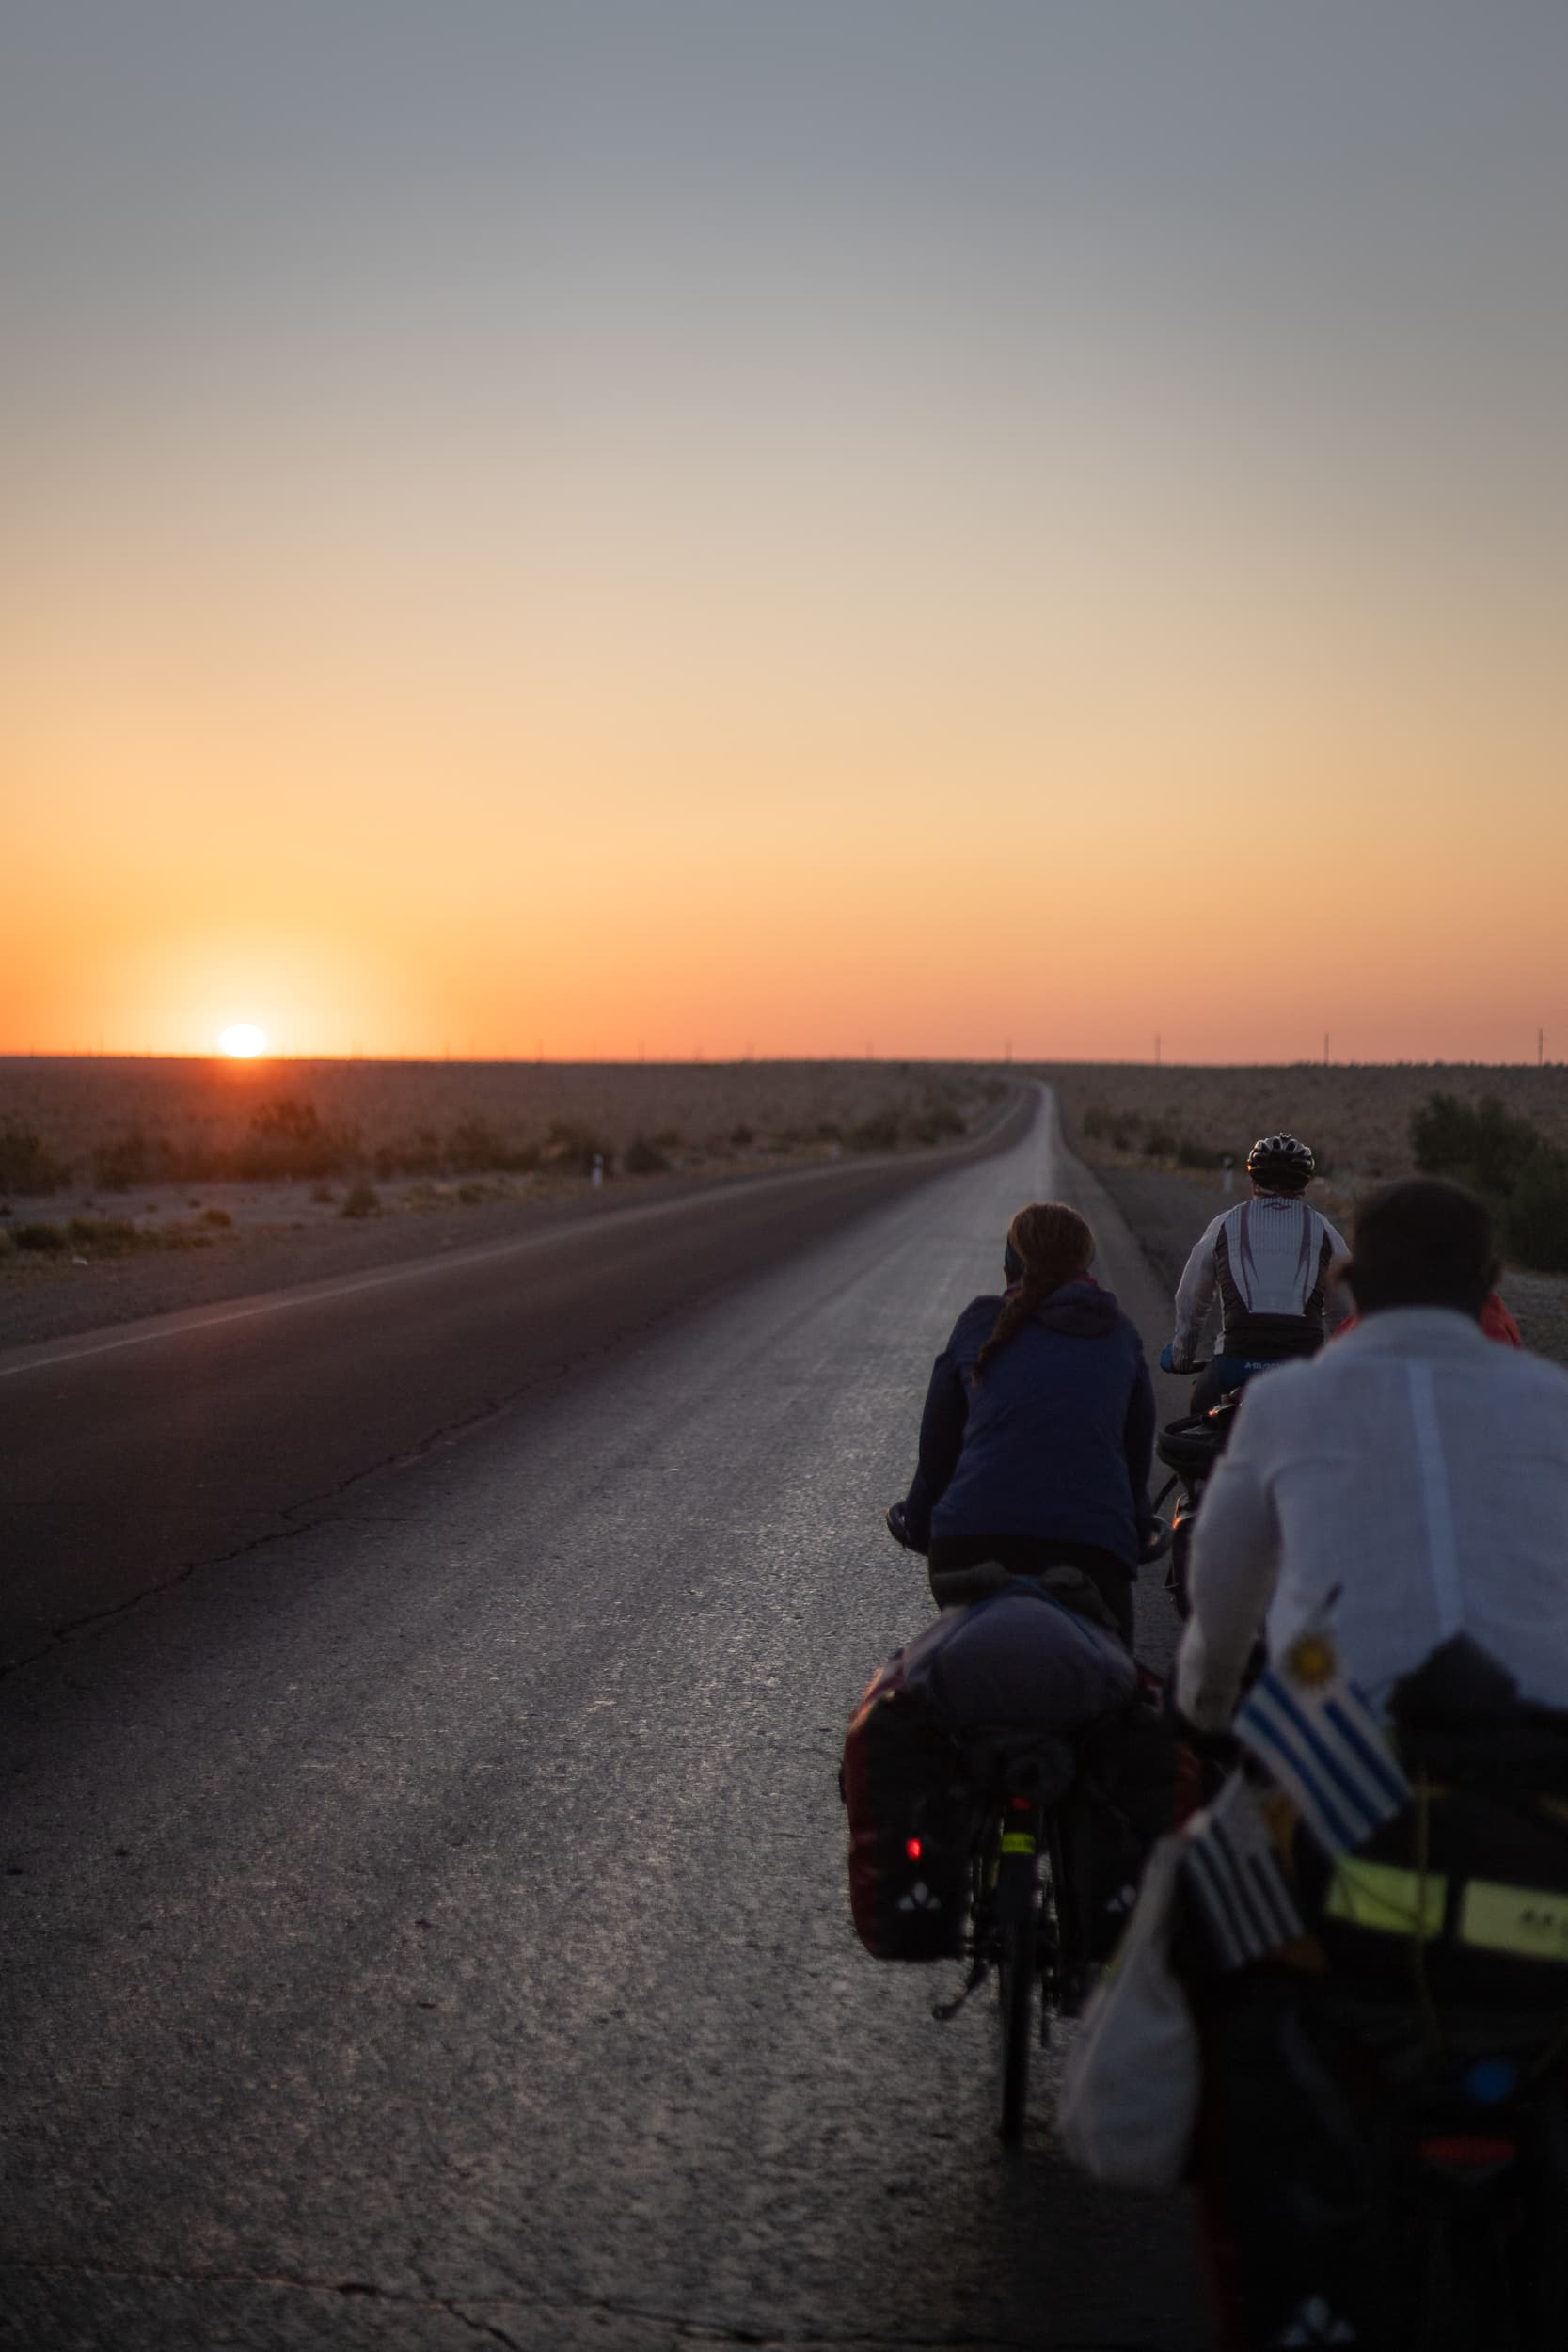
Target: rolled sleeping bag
point(1025, 1659)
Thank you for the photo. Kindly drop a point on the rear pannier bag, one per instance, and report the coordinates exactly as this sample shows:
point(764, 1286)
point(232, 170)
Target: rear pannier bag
point(911, 1823)
point(1017, 1659)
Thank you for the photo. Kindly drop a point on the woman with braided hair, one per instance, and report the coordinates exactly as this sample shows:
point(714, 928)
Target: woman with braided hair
point(1037, 1432)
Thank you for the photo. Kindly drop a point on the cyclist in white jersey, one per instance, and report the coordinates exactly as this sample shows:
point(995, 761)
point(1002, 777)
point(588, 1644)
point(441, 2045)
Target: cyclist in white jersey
point(1269, 1260)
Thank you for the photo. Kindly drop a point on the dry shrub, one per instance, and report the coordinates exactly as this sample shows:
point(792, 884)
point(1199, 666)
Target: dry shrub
point(134, 1121)
point(1356, 1117)
point(27, 1164)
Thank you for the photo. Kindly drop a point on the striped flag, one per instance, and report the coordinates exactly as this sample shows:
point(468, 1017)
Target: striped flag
point(1316, 1735)
point(1235, 1873)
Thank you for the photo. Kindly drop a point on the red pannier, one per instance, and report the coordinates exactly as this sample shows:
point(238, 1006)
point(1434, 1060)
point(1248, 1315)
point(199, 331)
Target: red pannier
point(910, 1821)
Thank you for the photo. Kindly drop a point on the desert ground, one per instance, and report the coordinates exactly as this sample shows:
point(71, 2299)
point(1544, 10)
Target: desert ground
point(131, 1188)
point(1355, 1115)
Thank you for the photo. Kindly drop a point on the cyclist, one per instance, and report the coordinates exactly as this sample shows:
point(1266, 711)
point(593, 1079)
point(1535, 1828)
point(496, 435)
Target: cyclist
point(1401, 1498)
point(1037, 1432)
point(1415, 1466)
point(1269, 1259)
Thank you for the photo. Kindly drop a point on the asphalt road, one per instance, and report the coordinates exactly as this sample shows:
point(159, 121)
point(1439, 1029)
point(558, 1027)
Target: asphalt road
point(425, 1925)
point(136, 1455)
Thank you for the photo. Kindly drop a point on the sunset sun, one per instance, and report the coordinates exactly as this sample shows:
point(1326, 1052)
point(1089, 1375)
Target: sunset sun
point(242, 1040)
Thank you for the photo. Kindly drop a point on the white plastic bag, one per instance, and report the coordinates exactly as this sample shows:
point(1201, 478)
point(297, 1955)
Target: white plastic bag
point(1134, 2073)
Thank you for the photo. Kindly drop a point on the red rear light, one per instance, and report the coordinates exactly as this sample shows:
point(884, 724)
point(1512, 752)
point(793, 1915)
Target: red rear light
point(914, 1848)
point(1468, 2150)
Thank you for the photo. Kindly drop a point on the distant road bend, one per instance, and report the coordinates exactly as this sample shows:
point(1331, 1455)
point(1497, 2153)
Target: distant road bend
point(137, 1453)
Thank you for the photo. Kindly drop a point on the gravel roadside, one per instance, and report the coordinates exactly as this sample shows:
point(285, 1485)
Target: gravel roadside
point(1168, 1212)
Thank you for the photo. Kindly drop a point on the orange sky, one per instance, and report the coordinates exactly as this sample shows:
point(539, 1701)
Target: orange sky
point(818, 656)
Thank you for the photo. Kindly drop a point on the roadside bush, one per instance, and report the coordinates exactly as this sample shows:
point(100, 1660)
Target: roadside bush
point(882, 1132)
point(741, 1136)
point(474, 1148)
point(26, 1162)
point(1191, 1153)
point(1119, 1129)
point(217, 1216)
point(123, 1161)
point(287, 1138)
point(937, 1122)
point(47, 1240)
point(1522, 1178)
point(1535, 1223)
point(1158, 1143)
point(109, 1236)
point(1481, 1144)
point(361, 1200)
point(644, 1158)
point(419, 1155)
point(574, 1150)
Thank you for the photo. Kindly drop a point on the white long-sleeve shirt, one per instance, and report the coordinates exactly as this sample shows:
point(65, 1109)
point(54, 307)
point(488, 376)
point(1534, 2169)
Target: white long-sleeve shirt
point(1268, 1257)
point(1417, 1465)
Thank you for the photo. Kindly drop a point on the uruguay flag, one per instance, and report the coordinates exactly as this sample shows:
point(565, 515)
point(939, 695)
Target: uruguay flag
point(1316, 1734)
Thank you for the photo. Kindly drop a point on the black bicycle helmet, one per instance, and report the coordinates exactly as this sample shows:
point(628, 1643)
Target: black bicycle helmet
point(1280, 1162)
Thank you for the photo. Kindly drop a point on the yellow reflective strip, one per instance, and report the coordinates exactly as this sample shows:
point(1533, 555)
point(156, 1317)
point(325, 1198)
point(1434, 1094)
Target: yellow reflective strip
point(1394, 1902)
point(1524, 1919)
point(1016, 1841)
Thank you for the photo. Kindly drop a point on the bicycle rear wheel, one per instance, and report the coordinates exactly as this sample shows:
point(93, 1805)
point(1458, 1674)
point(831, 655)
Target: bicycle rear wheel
point(1015, 1986)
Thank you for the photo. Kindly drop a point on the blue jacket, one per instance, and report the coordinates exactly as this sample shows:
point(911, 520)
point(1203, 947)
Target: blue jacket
point(1054, 1442)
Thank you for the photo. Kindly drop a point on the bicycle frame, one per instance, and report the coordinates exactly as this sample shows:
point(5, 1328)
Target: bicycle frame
point(1025, 1930)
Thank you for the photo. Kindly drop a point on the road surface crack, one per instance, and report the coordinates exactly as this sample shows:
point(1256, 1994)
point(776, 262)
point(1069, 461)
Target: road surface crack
point(291, 1523)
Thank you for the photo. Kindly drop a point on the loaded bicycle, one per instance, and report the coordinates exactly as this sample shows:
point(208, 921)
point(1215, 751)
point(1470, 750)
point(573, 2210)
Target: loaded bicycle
point(991, 1774)
point(1028, 1928)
